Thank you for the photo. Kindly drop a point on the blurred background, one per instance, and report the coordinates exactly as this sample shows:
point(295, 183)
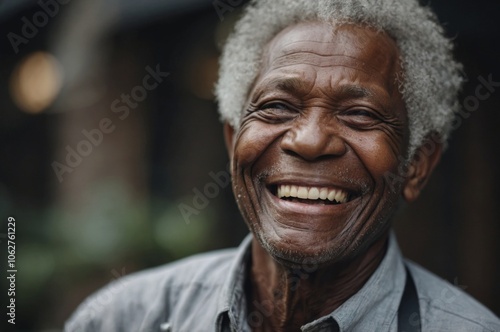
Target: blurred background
point(112, 156)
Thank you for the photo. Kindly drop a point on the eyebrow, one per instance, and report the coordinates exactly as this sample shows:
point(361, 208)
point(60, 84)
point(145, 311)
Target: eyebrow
point(354, 91)
point(289, 84)
point(295, 84)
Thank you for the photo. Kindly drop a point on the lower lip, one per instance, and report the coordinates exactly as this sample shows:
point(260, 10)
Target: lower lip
point(304, 208)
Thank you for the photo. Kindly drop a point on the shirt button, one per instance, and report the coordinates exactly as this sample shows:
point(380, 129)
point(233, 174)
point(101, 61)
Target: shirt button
point(166, 327)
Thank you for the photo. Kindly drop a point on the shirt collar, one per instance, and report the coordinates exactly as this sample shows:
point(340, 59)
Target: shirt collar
point(376, 302)
point(231, 303)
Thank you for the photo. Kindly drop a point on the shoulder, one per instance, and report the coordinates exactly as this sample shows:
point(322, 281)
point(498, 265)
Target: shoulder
point(146, 298)
point(445, 307)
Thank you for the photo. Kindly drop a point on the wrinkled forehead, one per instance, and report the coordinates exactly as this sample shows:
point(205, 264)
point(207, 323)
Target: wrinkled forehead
point(323, 44)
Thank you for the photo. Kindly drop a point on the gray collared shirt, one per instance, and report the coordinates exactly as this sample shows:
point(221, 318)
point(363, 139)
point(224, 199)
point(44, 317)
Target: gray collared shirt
point(206, 293)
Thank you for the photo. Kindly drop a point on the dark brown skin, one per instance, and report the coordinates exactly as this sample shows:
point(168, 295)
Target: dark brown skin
point(324, 111)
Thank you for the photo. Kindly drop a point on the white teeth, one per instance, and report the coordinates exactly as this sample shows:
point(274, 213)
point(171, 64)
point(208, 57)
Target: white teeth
point(285, 191)
point(312, 193)
point(339, 197)
point(302, 193)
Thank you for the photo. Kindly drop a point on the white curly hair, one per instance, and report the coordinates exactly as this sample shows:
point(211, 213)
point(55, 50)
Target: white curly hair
point(432, 78)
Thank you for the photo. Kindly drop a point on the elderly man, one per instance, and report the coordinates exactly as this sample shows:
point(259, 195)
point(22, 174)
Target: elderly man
point(335, 111)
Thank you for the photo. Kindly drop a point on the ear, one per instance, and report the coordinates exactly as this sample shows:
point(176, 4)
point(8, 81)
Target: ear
point(229, 139)
point(421, 166)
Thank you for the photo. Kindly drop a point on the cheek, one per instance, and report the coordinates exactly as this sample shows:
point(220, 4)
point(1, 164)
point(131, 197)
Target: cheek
point(378, 154)
point(252, 141)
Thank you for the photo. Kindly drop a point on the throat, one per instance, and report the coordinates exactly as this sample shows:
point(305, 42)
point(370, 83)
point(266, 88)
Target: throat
point(288, 297)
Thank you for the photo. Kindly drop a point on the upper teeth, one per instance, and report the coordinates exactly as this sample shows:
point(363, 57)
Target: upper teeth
point(312, 193)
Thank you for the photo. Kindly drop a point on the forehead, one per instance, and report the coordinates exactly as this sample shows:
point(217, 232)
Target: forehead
point(330, 45)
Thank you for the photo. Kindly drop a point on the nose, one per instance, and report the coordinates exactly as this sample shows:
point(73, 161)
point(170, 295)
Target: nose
point(314, 136)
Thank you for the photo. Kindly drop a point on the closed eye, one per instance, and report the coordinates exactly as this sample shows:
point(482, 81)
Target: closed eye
point(360, 118)
point(361, 112)
point(275, 105)
point(276, 112)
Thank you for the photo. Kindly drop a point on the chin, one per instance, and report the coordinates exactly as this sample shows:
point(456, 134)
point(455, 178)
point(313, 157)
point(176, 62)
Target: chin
point(294, 247)
point(299, 249)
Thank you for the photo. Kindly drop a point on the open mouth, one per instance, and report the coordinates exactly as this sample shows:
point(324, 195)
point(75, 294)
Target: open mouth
point(311, 195)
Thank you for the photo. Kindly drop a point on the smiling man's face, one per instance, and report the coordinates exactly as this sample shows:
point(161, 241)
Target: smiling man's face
point(324, 123)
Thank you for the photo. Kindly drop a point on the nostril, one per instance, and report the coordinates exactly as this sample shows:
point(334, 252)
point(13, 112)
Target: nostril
point(292, 153)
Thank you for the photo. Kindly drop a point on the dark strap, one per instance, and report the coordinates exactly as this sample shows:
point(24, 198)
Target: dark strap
point(409, 310)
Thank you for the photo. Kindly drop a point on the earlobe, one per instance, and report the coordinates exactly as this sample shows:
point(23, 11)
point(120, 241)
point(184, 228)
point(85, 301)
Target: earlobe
point(421, 167)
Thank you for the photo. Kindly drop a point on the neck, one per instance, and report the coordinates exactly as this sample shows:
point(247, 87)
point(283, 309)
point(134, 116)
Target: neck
point(288, 297)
